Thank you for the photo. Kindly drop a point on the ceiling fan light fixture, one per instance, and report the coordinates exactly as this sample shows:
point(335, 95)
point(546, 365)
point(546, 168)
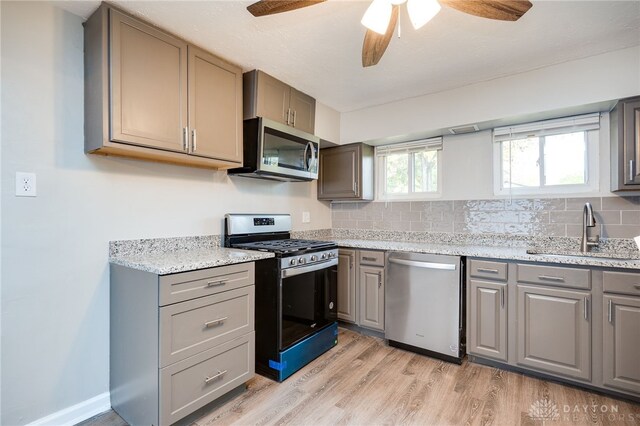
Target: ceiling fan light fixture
point(377, 16)
point(422, 11)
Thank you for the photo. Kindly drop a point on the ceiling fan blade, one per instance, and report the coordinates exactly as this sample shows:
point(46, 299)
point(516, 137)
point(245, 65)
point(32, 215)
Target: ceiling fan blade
point(270, 7)
point(375, 44)
point(503, 10)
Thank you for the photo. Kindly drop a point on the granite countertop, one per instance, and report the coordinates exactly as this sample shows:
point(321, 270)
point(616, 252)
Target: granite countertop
point(507, 253)
point(184, 260)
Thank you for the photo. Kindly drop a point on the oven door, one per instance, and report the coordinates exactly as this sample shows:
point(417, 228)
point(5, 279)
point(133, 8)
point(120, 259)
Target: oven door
point(308, 300)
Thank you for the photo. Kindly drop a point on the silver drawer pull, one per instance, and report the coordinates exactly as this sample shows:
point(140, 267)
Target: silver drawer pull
point(610, 311)
point(637, 286)
point(215, 283)
point(215, 322)
point(490, 271)
point(550, 278)
point(373, 259)
point(208, 380)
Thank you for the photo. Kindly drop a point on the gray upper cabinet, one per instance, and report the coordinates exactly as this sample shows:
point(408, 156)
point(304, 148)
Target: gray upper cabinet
point(215, 107)
point(625, 145)
point(150, 95)
point(554, 330)
point(268, 97)
point(149, 85)
point(346, 173)
point(488, 319)
point(347, 285)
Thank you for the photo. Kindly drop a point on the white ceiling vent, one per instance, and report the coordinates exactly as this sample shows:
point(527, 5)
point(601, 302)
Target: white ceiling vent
point(464, 129)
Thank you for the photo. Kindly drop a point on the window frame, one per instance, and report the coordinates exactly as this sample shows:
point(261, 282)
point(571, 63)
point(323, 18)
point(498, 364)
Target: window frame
point(381, 174)
point(591, 163)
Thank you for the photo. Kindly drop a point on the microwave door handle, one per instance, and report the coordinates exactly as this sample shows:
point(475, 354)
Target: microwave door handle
point(304, 156)
point(312, 160)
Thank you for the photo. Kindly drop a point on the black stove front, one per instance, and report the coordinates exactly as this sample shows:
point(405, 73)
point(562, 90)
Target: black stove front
point(296, 298)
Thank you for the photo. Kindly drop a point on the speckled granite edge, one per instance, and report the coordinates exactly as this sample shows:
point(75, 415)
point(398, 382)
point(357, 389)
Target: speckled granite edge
point(506, 253)
point(121, 248)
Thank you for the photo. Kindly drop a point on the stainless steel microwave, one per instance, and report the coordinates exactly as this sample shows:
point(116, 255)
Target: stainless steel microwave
point(278, 152)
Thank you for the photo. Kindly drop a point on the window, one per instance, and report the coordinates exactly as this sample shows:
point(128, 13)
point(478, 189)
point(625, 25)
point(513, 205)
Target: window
point(409, 170)
point(553, 156)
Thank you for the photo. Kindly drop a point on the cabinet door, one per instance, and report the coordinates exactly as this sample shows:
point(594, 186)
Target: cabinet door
point(339, 173)
point(303, 110)
point(621, 343)
point(371, 282)
point(273, 99)
point(631, 131)
point(488, 319)
point(215, 107)
point(554, 331)
point(347, 285)
point(148, 85)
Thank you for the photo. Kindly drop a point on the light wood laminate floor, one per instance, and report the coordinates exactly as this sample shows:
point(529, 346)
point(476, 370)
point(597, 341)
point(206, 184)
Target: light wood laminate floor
point(362, 381)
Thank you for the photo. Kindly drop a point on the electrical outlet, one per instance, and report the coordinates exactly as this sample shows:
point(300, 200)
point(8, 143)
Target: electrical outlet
point(306, 217)
point(25, 184)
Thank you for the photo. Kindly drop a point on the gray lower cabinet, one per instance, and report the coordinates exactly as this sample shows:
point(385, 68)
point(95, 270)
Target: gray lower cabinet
point(179, 341)
point(554, 330)
point(488, 319)
point(347, 285)
point(621, 331)
point(371, 282)
point(361, 288)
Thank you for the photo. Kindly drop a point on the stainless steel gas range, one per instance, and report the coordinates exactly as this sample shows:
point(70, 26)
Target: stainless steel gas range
point(296, 305)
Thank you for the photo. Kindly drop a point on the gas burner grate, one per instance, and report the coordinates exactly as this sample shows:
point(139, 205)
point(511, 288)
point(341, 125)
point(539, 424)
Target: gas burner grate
point(285, 246)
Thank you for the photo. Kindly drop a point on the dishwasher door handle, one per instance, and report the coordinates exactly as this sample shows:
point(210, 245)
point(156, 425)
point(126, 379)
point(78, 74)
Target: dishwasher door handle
point(426, 265)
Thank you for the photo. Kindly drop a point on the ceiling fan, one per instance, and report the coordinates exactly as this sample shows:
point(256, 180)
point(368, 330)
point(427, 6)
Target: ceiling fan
point(382, 16)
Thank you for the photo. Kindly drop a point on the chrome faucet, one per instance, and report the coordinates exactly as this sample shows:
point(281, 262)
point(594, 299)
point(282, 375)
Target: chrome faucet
point(588, 221)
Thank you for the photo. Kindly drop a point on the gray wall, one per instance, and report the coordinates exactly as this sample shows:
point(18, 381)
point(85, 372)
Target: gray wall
point(55, 299)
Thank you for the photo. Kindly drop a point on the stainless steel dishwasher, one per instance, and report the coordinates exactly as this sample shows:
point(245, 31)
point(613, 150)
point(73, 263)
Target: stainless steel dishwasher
point(424, 309)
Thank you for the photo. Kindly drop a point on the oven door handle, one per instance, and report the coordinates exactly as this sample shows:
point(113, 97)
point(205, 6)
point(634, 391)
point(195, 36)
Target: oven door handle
point(292, 272)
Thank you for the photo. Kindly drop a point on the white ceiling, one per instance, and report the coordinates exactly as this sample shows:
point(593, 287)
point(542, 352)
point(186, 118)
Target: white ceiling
point(318, 49)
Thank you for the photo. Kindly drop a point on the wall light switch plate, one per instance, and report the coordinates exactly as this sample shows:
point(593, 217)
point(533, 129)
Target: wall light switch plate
point(25, 184)
point(306, 217)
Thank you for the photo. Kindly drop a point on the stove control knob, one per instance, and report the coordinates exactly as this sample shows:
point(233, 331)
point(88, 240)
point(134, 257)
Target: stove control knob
point(302, 260)
point(331, 254)
point(323, 256)
point(314, 258)
point(292, 262)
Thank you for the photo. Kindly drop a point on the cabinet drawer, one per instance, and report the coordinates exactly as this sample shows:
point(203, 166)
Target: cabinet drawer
point(188, 328)
point(189, 285)
point(487, 269)
point(555, 276)
point(194, 382)
point(367, 257)
point(621, 282)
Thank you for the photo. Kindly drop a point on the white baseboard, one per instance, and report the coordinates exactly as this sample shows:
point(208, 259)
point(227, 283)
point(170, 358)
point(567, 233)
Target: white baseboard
point(76, 413)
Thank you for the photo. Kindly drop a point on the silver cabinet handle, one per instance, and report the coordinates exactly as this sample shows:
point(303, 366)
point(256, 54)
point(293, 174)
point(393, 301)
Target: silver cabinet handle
point(208, 380)
point(185, 139)
point(379, 279)
point(216, 283)
point(637, 286)
point(294, 118)
point(373, 259)
point(610, 313)
point(586, 307)
point(490, 271)
point(631, 170)
point(426, 265)
point(218, 321)
point(288, 116)
point(194, 141)
point(550, 278)
point(502, 297)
